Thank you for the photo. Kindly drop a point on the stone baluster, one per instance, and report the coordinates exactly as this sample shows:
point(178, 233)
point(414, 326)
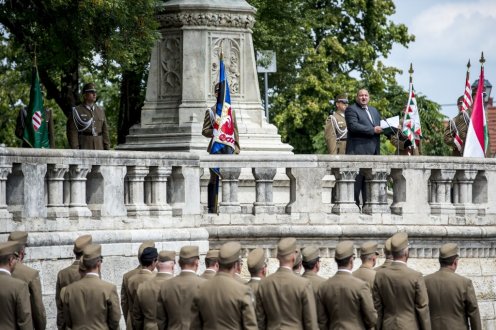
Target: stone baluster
point(158, 190)
point(77, 206)
point(55, 181)
point(344, 197)
point(108, 199)
point(230, 180)
point(462, 189)
point(375, 182)
point(305, 186)
point(4, 172)
point(441, 191)
point(136, 206)
point(264, 180)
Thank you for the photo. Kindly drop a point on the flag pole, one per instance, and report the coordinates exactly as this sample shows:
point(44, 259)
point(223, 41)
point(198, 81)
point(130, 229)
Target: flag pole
point(410, 71)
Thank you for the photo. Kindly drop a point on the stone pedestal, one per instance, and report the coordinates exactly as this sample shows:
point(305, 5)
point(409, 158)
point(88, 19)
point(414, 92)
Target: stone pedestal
point(344, 200)
point(184, 69)
point(55, 180)
point(78, 207)
point(229, 182)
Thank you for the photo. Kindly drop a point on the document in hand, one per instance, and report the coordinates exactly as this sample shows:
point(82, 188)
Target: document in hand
point(390, 125)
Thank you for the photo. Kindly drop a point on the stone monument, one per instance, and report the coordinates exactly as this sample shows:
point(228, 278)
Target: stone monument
point(184, 69)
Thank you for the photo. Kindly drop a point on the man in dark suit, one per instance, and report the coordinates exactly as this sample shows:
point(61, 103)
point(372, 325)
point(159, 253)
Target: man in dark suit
point(363, 122)
point(452, 300)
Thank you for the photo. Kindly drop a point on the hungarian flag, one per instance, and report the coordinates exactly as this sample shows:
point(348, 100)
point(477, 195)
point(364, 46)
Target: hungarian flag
point(467, 95)
point(223, 124)
point(35, 125)
point(411, 121)
point(477, 136)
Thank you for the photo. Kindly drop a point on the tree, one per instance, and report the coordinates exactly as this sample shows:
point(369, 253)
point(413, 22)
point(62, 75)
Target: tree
point(325, 48)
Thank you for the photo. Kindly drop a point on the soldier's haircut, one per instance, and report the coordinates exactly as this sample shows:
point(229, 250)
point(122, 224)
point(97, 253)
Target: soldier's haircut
point(367, 256)
point(209, 262)
point(4, 260)
point(445, 262)
point(187, 261)
point(229, 266)
point(399, 254)
point(343, 262)
point(92, 263)
point(309, 265)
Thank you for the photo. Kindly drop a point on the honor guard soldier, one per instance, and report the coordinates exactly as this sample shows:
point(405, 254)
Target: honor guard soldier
point(145, 305)
point(87, 125)
point(452, 300)
point(223, 302)
point(211, 264)
point(311, 264)
point(14, 295)
point(455, 133)
point(176, 295)
point(69, 275)
point(345, 302)
point(368, 255)
point(400, 295)
point(335, 128)
point(32, 278)
point(91, 303)
point(257, 266)
point(284, 300)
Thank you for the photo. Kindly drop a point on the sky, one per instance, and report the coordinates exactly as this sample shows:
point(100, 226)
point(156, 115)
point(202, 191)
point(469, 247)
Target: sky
point(447, 34)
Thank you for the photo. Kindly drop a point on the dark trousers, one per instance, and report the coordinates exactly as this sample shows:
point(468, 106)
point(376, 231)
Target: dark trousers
point(213, 183)
point(360, 188)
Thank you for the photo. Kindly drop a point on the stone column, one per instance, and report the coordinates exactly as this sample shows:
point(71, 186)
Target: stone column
point(441, 191)
point(305, 189)
point(112, 198)
point(77, 206)
point(34, 191)
point(55, 180)
point(136, 206)
point(375, 181)
point(229, 181)
point(345, 191)
point(462, 188)
point(264, 179)
point(4, 172)
point(158, 185)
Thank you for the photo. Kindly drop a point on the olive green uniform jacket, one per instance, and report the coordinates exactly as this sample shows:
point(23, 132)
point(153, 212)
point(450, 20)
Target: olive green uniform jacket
point(335, 134)
point(15, 306)
point(208, 274)
point(452, 301)
point(65, 277)
point(95, 137)
point(366, 274)
point(126, 311)
point(458, 123)
point(135, 281)
point(208, 130)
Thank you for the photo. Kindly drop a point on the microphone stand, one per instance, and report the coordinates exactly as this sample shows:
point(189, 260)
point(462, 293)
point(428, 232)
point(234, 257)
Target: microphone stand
point(398, 136)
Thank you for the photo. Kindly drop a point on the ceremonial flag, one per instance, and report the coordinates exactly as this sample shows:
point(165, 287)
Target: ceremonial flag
point(411, 121)
point(467, 95)
point(477, 136)
point(35, 125)
point(223, 123)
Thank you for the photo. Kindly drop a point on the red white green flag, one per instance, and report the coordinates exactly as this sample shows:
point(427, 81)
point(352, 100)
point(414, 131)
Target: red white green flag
point(411, 121)
point(477, 140)
point(36, 127)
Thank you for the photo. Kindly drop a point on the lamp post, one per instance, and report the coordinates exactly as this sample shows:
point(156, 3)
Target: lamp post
point(487, 89)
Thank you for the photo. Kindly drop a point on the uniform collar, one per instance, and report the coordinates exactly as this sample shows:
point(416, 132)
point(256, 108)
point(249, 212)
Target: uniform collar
point(5, 271)
point(344, 271)
point(256, 279)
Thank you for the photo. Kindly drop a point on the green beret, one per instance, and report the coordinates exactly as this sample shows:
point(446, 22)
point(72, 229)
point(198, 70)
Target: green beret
point(144, 245)
point(448, 250)
point(165, 256)
point(81, 242)
point(229, 252)
point(368, 248)
point(286, 246)
point(21, 237)
point(310, 253)
point(8, 248)
point(399, 242)
point(256, 259)
point(189, 251)
point(344, 250)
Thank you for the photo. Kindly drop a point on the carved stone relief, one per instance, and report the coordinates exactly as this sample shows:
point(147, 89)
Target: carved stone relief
point(231, 48)
point(237, 20)
point(171, 66)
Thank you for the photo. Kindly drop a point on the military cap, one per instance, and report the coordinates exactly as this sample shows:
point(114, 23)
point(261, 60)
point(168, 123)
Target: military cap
point(92, 251)
point(387, 246)
point(310, 253)
point(448, 250)
point(81, 242)
point(298, 257)
point(149, 254)
point(229, 252)
point(344, 250)
point(8, 248)
point(256, 259)
point(189, 251)
point(212, 254)
point(89, 87)
point(399, 242)
point(341, 98)
point(286, 246)
point(144, 245)
point(165, 256)
point(21, 237)
point(368, 248)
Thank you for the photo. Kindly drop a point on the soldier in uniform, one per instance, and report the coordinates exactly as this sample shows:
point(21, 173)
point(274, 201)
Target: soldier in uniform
point(283, 299)
point(68, 275)
point(145, 304)
point(223, 302)
point(211, 264)
point(400, 295)
point(368, 255)
point(148, 261)
point(335, 128)
point(87, 126)
point(91, 303)
point(14, 293)
point(124, 286)
point(311, 263)
point(32, 278)
point(455, 132)
point(257, 266)
point(297, 263)
point(387, 254)
point(344, 301)
point(176, 295)
point(452, 300)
